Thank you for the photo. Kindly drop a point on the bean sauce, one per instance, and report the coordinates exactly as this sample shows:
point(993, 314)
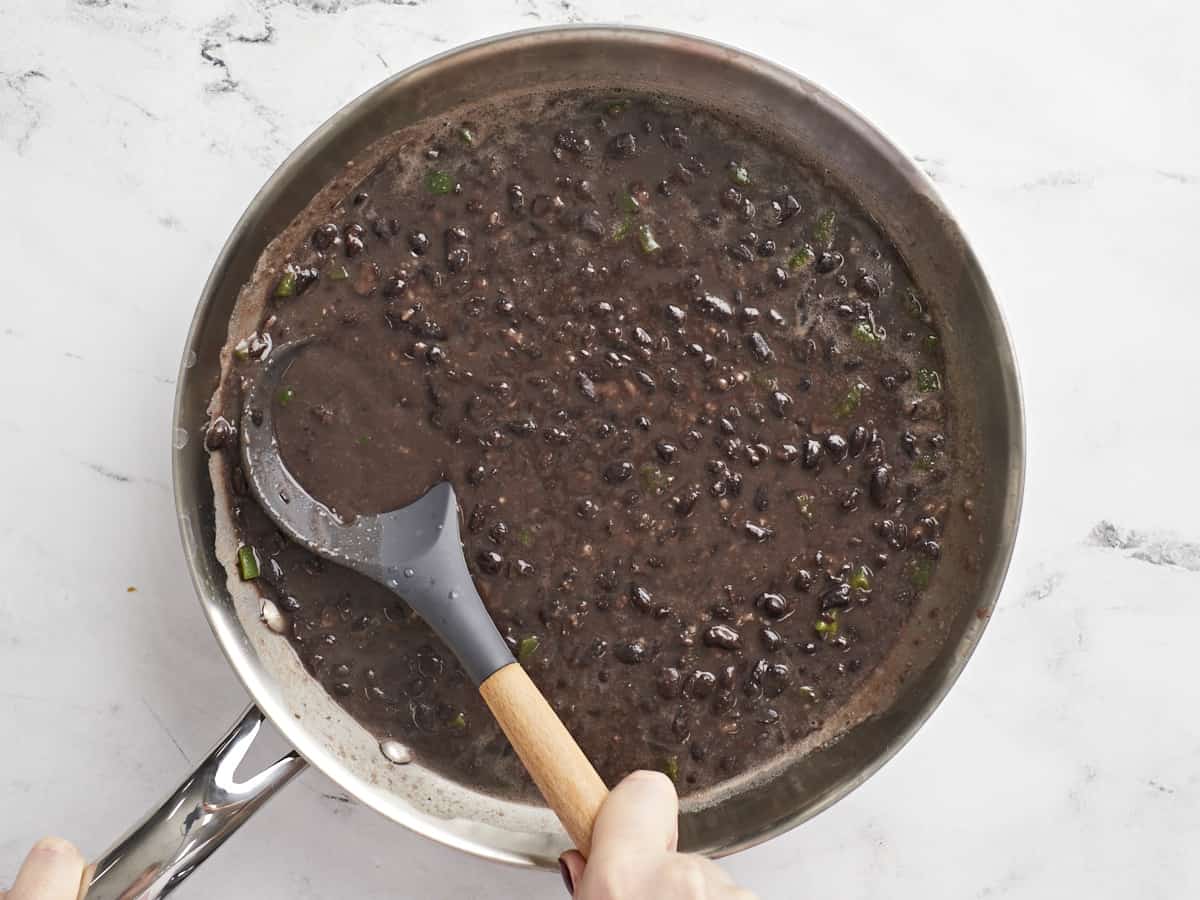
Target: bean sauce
point(691, 401)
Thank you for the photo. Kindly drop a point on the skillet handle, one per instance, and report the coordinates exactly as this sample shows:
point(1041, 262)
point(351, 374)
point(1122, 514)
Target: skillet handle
point(165, 848)
point(564, 775)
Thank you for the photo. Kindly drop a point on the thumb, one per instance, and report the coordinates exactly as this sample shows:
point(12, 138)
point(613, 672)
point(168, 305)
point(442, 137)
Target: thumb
point(638, 824)
point(641, 815)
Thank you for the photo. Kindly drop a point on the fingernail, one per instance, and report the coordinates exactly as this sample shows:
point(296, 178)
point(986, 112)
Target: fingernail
point(568, 882)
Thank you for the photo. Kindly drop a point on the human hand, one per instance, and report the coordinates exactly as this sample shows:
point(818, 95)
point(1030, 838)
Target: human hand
point(53, 870)
point(633, 851)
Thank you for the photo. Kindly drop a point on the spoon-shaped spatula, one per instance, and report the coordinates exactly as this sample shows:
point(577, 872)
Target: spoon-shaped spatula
point(416, 551)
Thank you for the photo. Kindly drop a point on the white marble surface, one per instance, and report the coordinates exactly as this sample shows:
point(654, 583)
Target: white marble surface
point(1065, 135)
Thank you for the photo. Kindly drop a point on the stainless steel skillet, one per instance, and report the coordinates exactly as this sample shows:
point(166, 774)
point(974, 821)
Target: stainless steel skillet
point(210, 804)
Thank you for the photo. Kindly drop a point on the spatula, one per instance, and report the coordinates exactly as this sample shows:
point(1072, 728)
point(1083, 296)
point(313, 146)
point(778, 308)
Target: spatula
point(416, 551)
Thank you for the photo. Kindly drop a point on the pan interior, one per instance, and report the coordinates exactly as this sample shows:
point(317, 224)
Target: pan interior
point(815, 127)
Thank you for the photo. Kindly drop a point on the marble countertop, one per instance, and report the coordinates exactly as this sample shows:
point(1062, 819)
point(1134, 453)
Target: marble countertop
point(1065, 136)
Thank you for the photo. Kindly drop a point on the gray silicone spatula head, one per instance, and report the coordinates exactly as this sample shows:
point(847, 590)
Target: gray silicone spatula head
point(416, 551)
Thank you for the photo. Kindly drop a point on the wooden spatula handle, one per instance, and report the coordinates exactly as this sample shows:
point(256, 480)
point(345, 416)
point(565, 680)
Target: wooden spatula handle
point(571, 786)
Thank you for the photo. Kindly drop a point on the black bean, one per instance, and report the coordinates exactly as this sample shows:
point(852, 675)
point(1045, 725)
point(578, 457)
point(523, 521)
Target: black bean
point(731, 198)
point(677, 139)
point(766, 248)
point(699, 684)
point(881, 479)
point(418, 243)
point(787, 453)
point(812, 453)
point(666, 451)
point(686, 502)
point(727, 677)
point(836, 446)
point(586, 386)
point(733, 482)
point(623, 146)
point(722, 636)
point(616, 472)
point(431, 330)
point(354, 240)
point(829, 262)
point(641, 598)
point(667, 683)
point(858, 440)
point(776, 679)
point(570, 139)
point(325, 236)
point(219, 434)
point(630, 652)
point(930, 524)
point(836, 597)
point(780, 403)
point(714, 307)
point(741, 253)
point(759, 347)
point(758, 533)
point(675, 314)
point(394, 285)
point(779, 276)
point(748, 315)
point(762, 498)
point(516, 198)
point(867, 285)
point(590, 224)
point(489, 561)
point(458, 259)
point(772, 639)
point(772, 604)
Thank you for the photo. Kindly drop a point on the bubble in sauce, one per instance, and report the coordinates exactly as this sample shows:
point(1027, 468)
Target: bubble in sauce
point(396, 752)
